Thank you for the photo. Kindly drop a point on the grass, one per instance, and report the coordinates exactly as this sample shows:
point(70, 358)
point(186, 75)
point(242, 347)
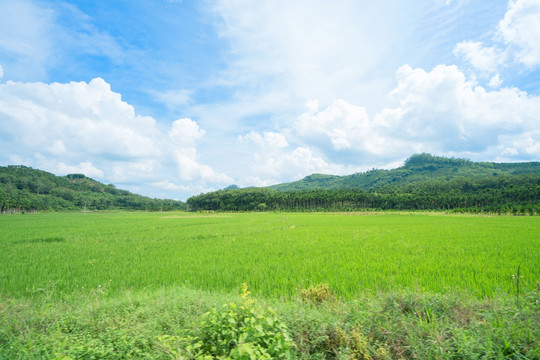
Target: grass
point(397, 325)
point(348, 286)
point(276, 254)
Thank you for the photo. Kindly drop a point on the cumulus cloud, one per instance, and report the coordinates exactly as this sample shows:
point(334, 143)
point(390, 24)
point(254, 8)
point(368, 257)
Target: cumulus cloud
point(517, 38)
point(183, 136)
point(443, 111)
point(54, 126)
point(439, 111)
point(519, 30)
point(444, 100)
point(86, 118)
point(274, 160)
point(1, 72)
point(486, 59)
point(341, 123)
point(495, 81)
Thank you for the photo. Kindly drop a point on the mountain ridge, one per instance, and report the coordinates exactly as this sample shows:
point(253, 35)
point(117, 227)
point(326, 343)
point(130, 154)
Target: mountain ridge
point(418, 167)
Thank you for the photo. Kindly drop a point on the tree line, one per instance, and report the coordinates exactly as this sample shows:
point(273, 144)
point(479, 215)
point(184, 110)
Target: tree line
point(516, 194)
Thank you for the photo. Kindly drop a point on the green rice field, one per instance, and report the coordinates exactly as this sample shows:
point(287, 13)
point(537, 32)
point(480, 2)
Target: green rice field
point(276, 254)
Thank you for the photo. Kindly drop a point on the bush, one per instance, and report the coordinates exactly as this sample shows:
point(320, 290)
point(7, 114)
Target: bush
point(240, 330)
point(317, 294)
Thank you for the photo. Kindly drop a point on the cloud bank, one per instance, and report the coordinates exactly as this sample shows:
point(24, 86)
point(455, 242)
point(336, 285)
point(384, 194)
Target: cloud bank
point(87, 128)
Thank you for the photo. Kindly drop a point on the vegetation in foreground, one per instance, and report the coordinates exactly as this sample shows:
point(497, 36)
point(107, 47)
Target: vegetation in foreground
point(177, 323)
point(325, 286)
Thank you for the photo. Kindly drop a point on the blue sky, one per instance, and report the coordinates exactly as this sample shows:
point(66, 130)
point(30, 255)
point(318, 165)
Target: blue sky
point(173, 98)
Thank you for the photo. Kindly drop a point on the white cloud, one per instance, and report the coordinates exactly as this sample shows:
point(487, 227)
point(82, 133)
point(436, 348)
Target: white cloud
point(283, 53)
point(54, 126)
point(495, 81)
point(167, 185)
point(527, 143)
point(517, 37)
point(85, 167)
point(183, 136)
point(86, 118)
point(1, 72)
point(268, 140)
point(345, 125)
point(184, 132)
point(445, 112)
point(274, 161)
point(486, 59)
point(439, 111)
point(520, 30)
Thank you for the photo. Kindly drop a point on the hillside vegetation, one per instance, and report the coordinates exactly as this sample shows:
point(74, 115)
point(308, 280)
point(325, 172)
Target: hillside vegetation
point(425, 182)
point(25, 189)
point(419, 167)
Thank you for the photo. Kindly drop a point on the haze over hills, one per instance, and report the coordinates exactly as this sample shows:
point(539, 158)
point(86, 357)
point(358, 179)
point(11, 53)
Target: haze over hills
point(23, 189)
point(419, 167)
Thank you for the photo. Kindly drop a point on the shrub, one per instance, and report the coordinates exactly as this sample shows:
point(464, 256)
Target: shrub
point(240, 330)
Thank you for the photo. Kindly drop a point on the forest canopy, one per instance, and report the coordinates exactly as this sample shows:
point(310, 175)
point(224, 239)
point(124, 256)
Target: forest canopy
point(424, 182)
point(25, 189)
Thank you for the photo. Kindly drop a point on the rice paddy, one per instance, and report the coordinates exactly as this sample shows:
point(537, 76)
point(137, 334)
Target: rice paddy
point(60, 255)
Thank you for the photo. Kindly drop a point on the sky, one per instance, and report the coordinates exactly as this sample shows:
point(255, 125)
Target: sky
point(173, 98)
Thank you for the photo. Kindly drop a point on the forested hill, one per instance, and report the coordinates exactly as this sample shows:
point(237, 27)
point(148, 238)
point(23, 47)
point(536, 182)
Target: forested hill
point(425, 182)
point(25, 189)
point(420, 167)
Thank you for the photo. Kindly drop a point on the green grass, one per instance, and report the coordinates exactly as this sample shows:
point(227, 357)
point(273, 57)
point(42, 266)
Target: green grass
point(276, 254)
point(400, 285)
point(403, 325)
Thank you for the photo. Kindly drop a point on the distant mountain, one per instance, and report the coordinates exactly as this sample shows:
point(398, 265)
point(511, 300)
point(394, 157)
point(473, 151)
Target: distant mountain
point(25, 189)
point(419, 167)
point(424, 182)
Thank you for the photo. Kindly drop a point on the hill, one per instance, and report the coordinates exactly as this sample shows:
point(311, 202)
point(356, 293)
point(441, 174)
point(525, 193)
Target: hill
point(424, 182)
point(25, 189)
point(419, 167)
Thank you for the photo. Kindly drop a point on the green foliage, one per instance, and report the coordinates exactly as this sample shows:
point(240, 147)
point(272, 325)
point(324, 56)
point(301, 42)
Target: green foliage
point(419, 167)
point(24, 189)
point(357, 346)
point(402, 325)
point(317, 294)
point(508, 194)
point(240, 330)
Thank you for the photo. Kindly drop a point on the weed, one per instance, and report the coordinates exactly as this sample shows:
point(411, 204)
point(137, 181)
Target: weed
point(240, 330)
point(317, 294)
